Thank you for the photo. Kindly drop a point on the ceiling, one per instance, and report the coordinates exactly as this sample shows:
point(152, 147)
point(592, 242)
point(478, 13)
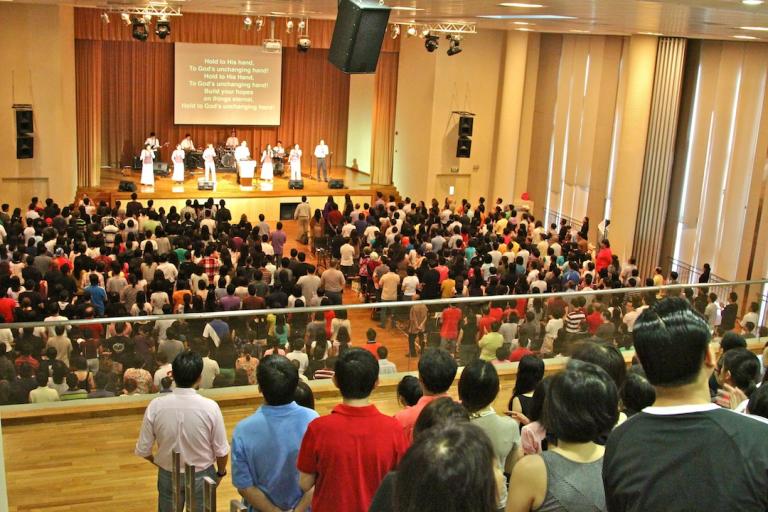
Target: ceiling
point(708, 19)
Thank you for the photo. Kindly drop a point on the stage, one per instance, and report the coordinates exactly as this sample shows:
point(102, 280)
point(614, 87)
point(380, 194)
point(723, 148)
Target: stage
point(263, 197)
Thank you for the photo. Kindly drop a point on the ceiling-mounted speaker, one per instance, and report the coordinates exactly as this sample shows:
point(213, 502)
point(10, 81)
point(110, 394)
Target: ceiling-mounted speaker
point(358, 36)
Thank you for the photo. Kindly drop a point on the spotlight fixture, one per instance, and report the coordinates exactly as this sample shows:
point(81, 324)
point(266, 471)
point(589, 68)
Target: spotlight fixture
point(139, 31)
point(455, 44)
point(302, 25)
point(424, 32)
point(395, 31)
point(412, 31)
point(304, 44)
point(259, 24)
point(247, 22)
point(105, 18)
point(163, 28)
point(289, 26)
point(126, 18)
point(431, 43)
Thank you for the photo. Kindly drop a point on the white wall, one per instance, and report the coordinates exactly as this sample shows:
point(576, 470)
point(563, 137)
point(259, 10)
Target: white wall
point(362, 91)
point(430, 87)
point(39, 69)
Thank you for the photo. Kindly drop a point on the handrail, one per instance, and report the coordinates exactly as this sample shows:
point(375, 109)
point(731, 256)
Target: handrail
point(574, 223)
point(388, 304)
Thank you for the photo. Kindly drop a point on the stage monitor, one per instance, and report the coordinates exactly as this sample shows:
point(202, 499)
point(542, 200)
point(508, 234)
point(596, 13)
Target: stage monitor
point(227, 84)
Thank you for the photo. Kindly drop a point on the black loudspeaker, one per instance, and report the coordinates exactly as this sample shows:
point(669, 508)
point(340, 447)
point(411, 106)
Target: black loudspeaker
point(295, 184)
point(204, 185)
point(336, 184)
point(160, 168)
point(464, 147)
point(465, 126)
point(25, 147)
point(24, 122)
point(358, 35)
point(126, 186)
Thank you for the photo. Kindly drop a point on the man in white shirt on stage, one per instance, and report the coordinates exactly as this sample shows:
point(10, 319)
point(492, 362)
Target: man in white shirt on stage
point(321, 153)
point(210, 167)
point(242, 153)
point(278, 158)
point(186, 422)
point(232, 141)
point(153, 142)
point(188, 146)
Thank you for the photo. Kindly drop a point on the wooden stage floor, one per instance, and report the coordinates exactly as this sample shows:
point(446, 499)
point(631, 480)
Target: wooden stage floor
point(355, 183)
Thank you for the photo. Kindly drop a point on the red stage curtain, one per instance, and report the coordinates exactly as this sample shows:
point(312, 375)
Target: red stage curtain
point(88, 97)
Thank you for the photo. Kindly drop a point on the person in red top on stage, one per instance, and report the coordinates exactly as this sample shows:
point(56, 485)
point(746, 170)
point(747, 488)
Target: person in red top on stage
point(604, 256)
point(346, 454)
point(437, 370)
point(449, 331)
point(371, 345)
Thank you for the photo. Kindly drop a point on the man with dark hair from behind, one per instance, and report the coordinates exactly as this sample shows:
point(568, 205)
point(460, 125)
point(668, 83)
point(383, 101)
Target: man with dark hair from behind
point(437, 369)
point(671, 456)
point(266, 444)
point(185, 421)
point(346, 454)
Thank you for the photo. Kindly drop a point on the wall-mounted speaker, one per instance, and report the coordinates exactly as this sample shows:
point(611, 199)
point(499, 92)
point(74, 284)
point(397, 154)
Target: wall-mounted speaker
point(25, 147)
point(465, 126)
point(464, 147)
point(358, 35)
point(24, 122)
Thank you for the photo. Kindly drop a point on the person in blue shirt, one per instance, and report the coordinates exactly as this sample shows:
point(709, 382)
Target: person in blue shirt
point(97, 293)
point(265, 445)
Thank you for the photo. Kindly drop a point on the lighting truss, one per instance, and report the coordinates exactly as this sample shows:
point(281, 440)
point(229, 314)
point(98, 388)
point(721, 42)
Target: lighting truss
point(442, 28)
point(152, 9)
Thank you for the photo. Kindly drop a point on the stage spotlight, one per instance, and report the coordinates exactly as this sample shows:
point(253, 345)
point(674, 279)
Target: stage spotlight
point(455, 45)
point(247, 22)
point(139, 30)
point(126, 18)
point(302, 25)
point(424, 33)
point(431, 43)
point(304, 44)
point(395, 31)
point(289, 26)
point(105, 18)
point(412, 31)
point(259, 24)
point(163, 28)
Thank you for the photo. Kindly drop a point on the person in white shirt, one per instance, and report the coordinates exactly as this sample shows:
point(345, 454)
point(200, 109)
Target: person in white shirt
point(186, 144)
point(321, 153)
point(210, 371)
point(188, 423)
point(232, 140)
point(147, 166)
point(278, 158)
point(210, 167)
point(386, 367)
point(267, 169)
point(242, 152)
point(296, 354)
point(177, 158)
point(302, 214)
point(294, 158)
point(347, 260)
point(153, 142)
point(410, 284)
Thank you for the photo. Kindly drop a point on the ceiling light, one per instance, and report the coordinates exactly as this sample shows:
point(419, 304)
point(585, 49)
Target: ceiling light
point(524, 30)
point(755, 29)
point(455, 45)
point(247, 22)
point(520, 23)
point(657, 34)
point(752, 2)
point(139, 31)
point(402, 8)
point(748, 38)
point(289, 26)
point(395, 31)
point(105, 18)
point(521, 5)
point(431, 43)
point(163, 28)
point(580, 31)
point(412, 31)
point(525, 17)
point(304, 44)
point(278, 13)
point(302, 24)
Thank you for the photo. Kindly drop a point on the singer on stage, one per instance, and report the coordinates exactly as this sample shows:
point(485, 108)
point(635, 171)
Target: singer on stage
point(321, 153)
point(147, 167)
point(210, 167)
point(177, 157)
point(295, 160)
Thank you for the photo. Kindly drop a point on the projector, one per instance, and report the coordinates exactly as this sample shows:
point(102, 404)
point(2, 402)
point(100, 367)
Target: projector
point(273, 45)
